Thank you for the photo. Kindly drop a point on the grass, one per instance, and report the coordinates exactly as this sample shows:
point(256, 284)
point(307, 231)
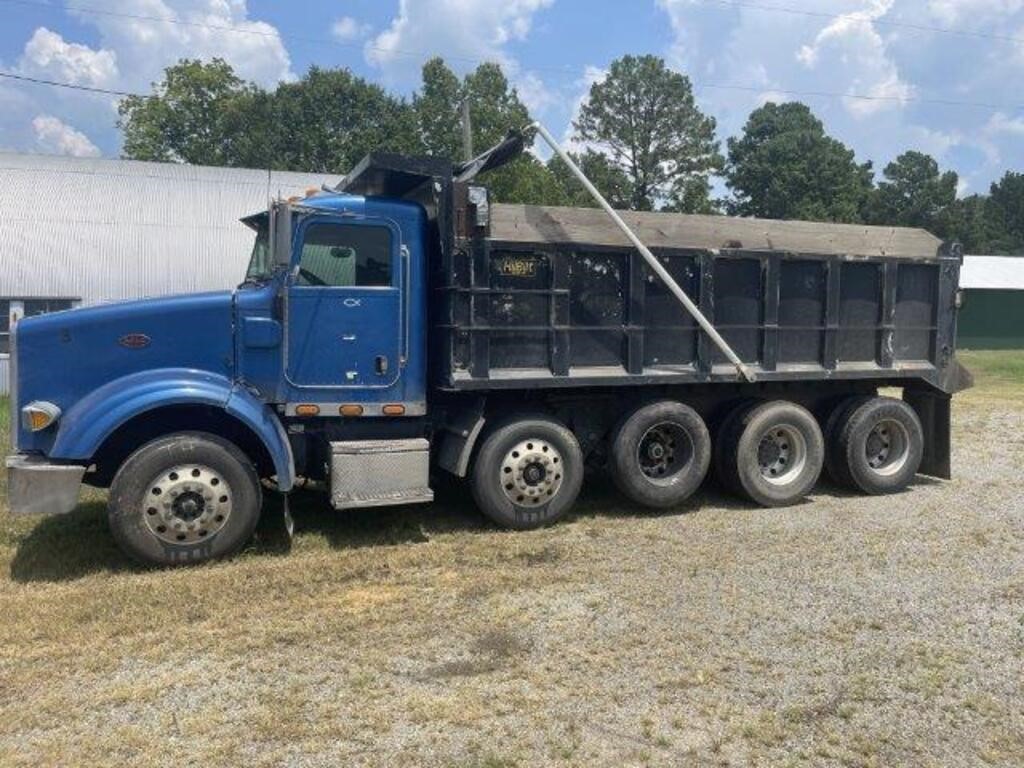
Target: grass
point(425, 636)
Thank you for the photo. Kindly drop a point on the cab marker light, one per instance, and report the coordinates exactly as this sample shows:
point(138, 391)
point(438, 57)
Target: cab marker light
point(393, 409)
point(307, 410)
point(38, 415)
point(351, 409)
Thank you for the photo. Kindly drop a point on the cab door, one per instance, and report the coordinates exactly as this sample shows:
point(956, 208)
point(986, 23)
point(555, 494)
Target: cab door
point(344, 307)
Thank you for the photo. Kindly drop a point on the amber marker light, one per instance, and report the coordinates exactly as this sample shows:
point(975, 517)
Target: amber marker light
point(393, 409)
point(351, 409)
point(307, 409)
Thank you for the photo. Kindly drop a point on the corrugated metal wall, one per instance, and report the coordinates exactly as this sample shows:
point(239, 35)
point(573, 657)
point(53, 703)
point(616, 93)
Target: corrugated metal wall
point(104, 230)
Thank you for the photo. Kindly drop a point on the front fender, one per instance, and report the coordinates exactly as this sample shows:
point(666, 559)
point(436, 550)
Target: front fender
point(87, 424)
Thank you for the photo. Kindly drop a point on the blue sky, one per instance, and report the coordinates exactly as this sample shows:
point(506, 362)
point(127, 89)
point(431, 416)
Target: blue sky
point(905, 54)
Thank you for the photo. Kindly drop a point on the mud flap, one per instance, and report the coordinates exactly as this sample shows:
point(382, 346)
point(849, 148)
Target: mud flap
point(933, 408)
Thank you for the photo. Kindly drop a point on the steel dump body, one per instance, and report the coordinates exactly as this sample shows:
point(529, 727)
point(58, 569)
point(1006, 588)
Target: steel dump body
point(552, 297)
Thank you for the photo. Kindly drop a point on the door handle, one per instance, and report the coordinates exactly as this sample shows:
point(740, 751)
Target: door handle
point(381, 364)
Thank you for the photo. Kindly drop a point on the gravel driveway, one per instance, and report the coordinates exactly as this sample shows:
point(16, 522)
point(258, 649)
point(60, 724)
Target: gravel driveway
point(848, 631)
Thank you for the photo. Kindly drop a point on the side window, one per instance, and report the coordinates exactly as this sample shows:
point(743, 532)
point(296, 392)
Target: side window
point(345, 255)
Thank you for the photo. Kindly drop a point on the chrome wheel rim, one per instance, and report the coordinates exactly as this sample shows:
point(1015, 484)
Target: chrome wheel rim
point(531, 473)
point(187, 504)
point(781, 454)
point(664, 451)
point(887, 447)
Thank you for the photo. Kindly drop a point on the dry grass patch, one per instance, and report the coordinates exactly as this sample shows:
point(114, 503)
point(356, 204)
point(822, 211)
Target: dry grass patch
point(848, 631)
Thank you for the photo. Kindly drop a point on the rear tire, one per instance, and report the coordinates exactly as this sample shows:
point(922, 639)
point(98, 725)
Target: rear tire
point(184, 498)
point(527, 473)
point(835, 463)
point(772, 453)
point(880, 444)
point(659, 454)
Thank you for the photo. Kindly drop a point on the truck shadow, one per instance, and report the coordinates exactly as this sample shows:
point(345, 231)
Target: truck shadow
point(69, 547)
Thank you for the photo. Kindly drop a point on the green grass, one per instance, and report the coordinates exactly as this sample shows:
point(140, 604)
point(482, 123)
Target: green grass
point(995, 366)
point(998, 374)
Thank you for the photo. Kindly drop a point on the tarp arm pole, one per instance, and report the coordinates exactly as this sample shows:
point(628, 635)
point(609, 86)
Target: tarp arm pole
point(652, 262)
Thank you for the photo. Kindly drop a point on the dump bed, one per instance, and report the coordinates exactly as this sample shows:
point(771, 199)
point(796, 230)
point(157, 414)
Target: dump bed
point(548, 296)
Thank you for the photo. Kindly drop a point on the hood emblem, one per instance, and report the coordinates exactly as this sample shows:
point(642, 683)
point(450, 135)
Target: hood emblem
point(134, 341)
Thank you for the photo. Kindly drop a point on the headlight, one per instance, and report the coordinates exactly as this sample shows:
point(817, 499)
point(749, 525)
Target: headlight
point(38, 415)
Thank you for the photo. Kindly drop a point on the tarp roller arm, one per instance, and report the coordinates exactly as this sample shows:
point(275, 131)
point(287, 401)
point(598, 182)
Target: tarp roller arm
point(649, 257)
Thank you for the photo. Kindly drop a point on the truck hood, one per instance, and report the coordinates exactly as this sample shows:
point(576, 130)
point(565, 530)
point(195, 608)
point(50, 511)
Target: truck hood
point(62, 357)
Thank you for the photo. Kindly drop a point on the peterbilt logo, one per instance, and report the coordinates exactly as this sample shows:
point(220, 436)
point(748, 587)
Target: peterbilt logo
point(134, 341)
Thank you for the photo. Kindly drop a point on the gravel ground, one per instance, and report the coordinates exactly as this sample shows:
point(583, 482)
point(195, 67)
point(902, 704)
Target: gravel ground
point(848, 631)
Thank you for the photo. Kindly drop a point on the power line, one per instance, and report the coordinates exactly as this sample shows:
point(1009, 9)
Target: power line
point(561, 68)
point(72, 86)
point(993, 107)
point(863, 17)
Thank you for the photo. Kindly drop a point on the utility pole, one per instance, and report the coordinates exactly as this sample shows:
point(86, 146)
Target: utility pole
point(467, 132)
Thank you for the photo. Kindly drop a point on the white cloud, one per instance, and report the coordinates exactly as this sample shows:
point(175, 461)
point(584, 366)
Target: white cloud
point(55, 136)
point(346, 28)
point(145, 47)
point(972, 12)
point(1001, 123)
point(854, 48)
point(459, 30)
point(47, 53)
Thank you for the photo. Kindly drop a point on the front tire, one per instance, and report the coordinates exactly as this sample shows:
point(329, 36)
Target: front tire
point(527, 473)
point(660, 454)
point(184, 498)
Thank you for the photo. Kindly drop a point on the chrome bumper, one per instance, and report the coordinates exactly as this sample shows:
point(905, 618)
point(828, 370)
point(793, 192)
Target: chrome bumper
point(35, 486)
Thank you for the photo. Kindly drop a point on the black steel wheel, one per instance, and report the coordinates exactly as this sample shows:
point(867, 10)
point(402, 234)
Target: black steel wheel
point(772, 453)
point(527, 473)
point(184, 498)
point(880, 445)
point(659, 454)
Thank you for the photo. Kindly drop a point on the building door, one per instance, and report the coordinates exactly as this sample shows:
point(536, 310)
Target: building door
point(345, 307)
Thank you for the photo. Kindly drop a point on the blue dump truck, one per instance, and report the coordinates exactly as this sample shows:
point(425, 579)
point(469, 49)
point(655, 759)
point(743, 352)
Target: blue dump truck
point(403, 325)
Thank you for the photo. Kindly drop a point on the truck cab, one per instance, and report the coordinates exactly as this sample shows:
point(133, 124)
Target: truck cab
point(323, 343)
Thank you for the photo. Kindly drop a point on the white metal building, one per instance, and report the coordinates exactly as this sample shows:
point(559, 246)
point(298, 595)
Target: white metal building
point(76, 231)
point(992, 312)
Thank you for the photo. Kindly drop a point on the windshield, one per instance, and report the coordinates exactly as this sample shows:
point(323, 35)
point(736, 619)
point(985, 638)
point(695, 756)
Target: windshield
point(259, 263)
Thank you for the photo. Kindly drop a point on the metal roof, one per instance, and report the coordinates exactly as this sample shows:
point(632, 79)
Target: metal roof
point(993, 273)
point(101, 229)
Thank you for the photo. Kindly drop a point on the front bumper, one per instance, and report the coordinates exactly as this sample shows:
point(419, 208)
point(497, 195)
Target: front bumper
point(36, 486)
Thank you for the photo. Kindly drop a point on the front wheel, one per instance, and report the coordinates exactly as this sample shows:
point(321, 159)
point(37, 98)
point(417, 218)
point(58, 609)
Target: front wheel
point(184, 498)
point(528, 473)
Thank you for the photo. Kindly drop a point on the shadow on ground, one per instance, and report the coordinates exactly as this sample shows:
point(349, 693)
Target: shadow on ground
point(72, 546)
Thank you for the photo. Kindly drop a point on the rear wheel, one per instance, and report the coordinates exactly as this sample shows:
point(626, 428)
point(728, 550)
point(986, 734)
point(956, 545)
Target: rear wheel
point(184, 498)
point(772, 453)
point(835, 463)
point(528, 473)
point(660, 454)
point(879, 445)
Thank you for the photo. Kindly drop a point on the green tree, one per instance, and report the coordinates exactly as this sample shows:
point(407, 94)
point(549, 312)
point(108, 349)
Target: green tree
point(327, 121)
point(784, 166)
point(610, 180)
point(197, 114)
point(1006, 214)
point(437, 106)
point(915, 193)
point(643, 115)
